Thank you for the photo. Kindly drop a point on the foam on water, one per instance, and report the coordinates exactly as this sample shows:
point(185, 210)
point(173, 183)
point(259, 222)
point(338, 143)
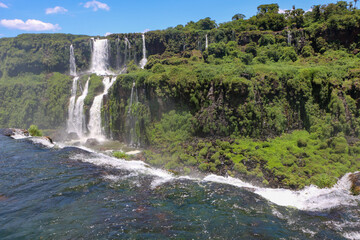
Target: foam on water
point(310, 198)
point(42, 141)
point(161, 176)
point(352, 235)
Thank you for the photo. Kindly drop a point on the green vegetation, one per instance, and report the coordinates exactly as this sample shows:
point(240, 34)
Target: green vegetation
point(121, 155)
point(34, 131)
point(34, 99)
point(274, 98)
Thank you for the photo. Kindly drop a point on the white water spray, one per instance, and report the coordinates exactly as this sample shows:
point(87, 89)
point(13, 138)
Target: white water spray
point(94, 125)
point(100, 57)
point(310, 198)
point(71, 112)
point(72, 61)
point(78, 115)
point(206, 42)
point(289, 38)
point(144, 59)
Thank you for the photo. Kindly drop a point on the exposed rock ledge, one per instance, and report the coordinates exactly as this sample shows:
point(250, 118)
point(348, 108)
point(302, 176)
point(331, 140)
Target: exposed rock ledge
point(13, 132)
point(355, 183)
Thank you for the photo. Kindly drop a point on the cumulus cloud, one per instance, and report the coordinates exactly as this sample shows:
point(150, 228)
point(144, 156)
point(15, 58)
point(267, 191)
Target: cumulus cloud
point(146, 30)
point(107, 34)
point(3, 5)
point(282, 11)
point(55, 10)
point(29, 25)
point(96, 5)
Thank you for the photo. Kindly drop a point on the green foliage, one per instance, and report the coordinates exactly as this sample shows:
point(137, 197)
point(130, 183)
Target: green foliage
point(121, 155)
point(34, 131)
point(96, 87)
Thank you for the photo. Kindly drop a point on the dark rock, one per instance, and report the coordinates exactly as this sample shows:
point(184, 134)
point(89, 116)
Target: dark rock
point(48, 139)
point(72, 136)
point(20, 132)
point(92, 142)
point(355, 183)
point(6, 132)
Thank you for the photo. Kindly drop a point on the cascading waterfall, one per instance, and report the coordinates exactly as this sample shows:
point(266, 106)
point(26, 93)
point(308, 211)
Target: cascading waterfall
point(206, 42)
point(118, 61)
point(71, 111)
point(131, 118)
point(100, 57)
point(144, 59)
point(94, 125)
point(70, 122)
point(127, 49)
point(78, 116)
point(289, 38)
point(72, 61)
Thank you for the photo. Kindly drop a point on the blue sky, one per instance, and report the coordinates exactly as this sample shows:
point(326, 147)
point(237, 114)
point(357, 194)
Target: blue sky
point(98, 17)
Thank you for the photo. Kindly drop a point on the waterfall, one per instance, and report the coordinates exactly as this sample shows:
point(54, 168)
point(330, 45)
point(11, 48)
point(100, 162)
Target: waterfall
point(206, 42)
point(100, 57)
point(118, 60)
point(78, 115)
point(289, 38)
point(94, 125)
point(131, 119)
point(72, 61)
point(127, 48)
point(144, 59)
point(70, 122)
point(71, 114)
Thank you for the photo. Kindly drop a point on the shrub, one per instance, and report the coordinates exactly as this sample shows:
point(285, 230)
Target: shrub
point(121, 155)
point(34, 131)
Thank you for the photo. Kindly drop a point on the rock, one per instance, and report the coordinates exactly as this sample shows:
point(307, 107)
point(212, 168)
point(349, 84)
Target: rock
point(6, 132)
point(22, 132)
point(92, 142)
point(355, 183)
point(72, 136)
point(48, 139)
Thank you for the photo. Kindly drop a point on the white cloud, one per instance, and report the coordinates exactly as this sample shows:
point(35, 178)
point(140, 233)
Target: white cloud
point(282, 11)
point(29, 25)
point(107, 34)
point(3, 5)
point(96, 5)
point(310, 10)
point(56, 9)
point(146, 30)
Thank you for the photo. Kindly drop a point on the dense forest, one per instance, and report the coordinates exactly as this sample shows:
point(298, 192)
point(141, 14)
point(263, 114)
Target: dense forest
point(273, 98)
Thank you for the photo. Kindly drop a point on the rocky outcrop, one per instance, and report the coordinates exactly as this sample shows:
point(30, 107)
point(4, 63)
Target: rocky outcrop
point(9, 132)
point(355, 183)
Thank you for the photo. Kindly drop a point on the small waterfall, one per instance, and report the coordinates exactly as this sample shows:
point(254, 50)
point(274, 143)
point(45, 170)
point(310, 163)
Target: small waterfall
point(118, 59)
point(100, 57)
point(94, 125)
point(127, 50)
point(72, 61)
point(206, 42)
point(78, 116)
point(289, 38)
point(144, 59)
point(131, 119)
point(71, 112)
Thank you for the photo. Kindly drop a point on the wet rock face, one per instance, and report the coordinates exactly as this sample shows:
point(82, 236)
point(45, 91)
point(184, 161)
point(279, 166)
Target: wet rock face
point(92, 142)
point(355, 183)
point(12, 131)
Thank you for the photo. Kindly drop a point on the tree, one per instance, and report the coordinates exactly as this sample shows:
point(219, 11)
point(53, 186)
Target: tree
point(238, 16)
point(268, 8)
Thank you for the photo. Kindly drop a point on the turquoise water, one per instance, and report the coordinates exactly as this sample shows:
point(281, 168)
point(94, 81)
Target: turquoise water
point(69, 193)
